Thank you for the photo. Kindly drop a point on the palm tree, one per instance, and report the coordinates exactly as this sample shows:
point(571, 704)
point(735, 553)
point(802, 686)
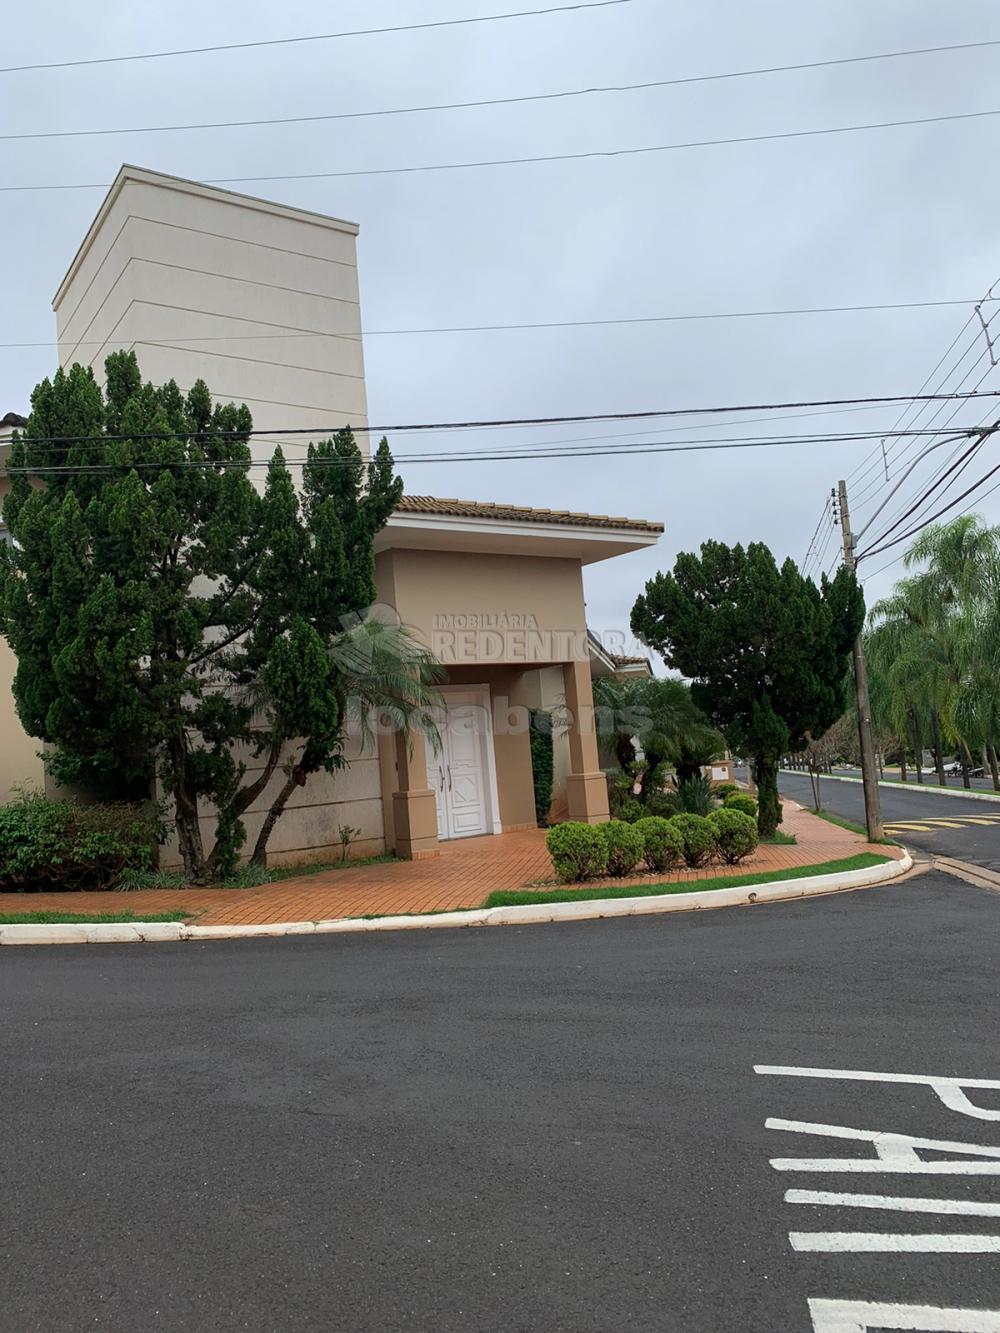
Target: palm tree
point(659, 717)
point(935, 643)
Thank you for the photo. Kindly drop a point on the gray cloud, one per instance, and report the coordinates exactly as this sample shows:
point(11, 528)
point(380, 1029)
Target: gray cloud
point(894, 215)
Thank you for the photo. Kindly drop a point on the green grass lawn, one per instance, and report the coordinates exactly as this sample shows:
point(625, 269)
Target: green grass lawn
point(780, 839)
point(56, 918)
point(848, 824)
point(585, 893)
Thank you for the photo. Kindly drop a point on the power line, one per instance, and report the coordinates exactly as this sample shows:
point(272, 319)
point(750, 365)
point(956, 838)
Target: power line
point(532, 421)
point(313, 37)
point(919, 412)
point(506, 328)
point(946, 424)
point(539, 449)
point(905, 536)
point(812, 539)
point(927, 381)
point(545, 158)
point(595, 90)
point(246, 464)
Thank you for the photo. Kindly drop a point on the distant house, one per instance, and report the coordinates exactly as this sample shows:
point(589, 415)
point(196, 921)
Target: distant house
point(261, 301)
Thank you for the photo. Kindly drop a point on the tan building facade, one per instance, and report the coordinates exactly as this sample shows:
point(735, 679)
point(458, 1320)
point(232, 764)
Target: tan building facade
point(261, 301)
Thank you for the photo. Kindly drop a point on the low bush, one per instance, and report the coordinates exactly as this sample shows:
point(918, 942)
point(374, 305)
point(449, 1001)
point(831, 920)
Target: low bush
point(698, 838)
point(694, 796)
point(47, 845)
point(724, 789)
point(735, 834)
point(578, 851)
point(663, 845)
point(743, 802)
point(625, 846)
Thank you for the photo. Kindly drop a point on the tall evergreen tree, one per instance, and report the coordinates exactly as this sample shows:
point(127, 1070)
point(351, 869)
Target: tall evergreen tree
point(170, 620)
point(764, 648)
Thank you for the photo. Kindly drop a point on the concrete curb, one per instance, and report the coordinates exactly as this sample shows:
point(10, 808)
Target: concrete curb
point(535, 914)
point(924, 787)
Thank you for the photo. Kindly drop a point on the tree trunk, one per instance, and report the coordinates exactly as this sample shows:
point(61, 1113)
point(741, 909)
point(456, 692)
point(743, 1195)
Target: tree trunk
point(902, 765)
point(296, 778)
point(815, 780)
point(189, 839)
point(768, 801)
point(991, 755)
point(966, 764)
point(938, 754)
point(918, 754)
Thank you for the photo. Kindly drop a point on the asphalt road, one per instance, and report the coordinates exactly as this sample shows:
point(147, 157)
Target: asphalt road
point(551, 1129)
point(919, 817)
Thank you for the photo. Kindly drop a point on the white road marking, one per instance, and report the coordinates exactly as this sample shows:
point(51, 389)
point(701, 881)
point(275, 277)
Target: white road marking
point(867, 1316)
point(955, 1207)
point(896, 1152)
point(883, 1242)
point(950, 1090)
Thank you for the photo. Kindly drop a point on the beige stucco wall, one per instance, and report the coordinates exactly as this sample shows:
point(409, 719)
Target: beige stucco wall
point(308, 830)
point(471, 608)
point(19, 762)
point(270, 292)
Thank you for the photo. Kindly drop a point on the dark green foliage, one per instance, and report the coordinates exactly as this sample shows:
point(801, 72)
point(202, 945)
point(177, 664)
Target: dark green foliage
point(625, 846)
point(694, 796)
point(723, 790)
point(735, 834)
point(662, 717)
point(169, 620)
point(663, 844)
point(578, 851)
point(540, 735)
point(765, 649)
point(698, 838)
point(56, 844)
point(741, 800)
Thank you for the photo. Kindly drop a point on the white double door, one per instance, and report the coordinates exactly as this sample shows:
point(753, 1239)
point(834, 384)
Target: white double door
point(460, 771)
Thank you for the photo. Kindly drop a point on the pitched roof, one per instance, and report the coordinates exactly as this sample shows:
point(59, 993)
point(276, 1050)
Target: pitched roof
point(429, 504)
point(13, 419)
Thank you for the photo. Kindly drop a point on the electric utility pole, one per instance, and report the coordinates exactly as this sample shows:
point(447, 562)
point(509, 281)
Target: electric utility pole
point(869, 774)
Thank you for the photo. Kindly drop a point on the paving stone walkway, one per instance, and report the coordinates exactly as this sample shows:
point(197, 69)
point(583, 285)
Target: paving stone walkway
point(462, 876)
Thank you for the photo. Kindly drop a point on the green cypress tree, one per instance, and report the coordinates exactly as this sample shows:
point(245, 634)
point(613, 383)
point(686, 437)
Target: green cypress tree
point(171, 621)
point(765, 649)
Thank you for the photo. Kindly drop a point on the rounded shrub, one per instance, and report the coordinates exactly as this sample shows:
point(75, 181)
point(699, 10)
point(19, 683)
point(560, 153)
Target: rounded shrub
point(742, 801)
point(578, 851)
point(625, 846)
point(663, 845)
point(724, 790)
point(698, 838)
point(735, 834)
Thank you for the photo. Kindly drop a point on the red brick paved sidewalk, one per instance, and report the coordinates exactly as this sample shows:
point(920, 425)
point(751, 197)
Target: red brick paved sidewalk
point(462, 876)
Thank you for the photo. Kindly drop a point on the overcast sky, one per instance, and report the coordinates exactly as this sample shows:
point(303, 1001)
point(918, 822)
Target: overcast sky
point(893, 215)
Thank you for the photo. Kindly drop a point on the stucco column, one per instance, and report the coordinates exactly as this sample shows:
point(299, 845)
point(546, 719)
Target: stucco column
point(414, 808)
point(586, 785)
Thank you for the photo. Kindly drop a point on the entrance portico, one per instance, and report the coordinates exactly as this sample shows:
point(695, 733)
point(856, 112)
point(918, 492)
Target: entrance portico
point(496, 594)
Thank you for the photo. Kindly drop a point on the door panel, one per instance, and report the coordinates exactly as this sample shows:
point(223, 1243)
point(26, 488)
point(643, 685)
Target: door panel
point(466, 771)
point(437, 773)
point(457, 773)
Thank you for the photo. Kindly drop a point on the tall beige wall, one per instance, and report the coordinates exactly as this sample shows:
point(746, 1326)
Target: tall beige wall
point(19, 762)
point(308, 830)
point(259, 300)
